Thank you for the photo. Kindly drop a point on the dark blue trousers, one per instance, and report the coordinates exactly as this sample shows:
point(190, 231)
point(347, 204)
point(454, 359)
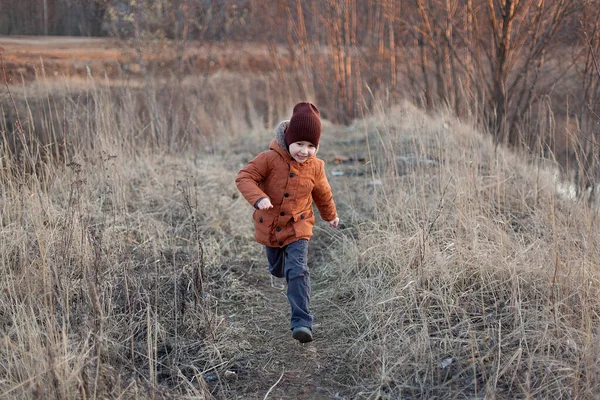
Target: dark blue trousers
point(291, 262)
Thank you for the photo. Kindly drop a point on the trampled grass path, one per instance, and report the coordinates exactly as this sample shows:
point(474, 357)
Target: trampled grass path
point(272, 362)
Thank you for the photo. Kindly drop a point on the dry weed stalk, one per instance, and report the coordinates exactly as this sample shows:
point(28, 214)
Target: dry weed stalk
point(198, 274)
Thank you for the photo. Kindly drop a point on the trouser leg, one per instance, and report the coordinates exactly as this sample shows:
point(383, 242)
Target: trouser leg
point(275, 257)
point(298, 280)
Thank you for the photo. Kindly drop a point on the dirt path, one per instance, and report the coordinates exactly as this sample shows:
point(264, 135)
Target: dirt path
point(303, 371)
point(260, 321)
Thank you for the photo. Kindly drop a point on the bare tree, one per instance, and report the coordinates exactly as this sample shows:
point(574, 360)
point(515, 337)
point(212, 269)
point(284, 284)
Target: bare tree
point(588, 116)
point(496, 47)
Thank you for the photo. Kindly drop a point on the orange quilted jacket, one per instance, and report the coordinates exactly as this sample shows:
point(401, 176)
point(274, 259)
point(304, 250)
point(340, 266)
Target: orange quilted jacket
point(291, 186)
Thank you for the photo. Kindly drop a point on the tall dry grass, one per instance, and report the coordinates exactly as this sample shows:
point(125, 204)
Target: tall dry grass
point(461, 272)
point(115, 248)
point(68, 118)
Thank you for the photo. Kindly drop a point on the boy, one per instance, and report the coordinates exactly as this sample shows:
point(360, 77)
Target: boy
point(281, 184)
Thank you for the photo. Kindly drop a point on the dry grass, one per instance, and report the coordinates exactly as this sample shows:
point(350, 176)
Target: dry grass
point(102, 288)
point(466, 276)
point(460, 272)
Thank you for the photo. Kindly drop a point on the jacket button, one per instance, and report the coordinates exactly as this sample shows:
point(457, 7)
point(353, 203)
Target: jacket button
point(302, 216)
point(286, 195)
point(278, 229)
point(260, 219)
point(281, 243)
point(282, 213)
point(291, 174)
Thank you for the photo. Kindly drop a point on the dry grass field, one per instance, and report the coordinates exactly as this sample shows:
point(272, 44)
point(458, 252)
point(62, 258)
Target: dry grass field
point(28, 58)
point(128, 268)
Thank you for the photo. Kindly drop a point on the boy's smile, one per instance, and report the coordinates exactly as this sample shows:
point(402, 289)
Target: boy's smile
point(302, 151)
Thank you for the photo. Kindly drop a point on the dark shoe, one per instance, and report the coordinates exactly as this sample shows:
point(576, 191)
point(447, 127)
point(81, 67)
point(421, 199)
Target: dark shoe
point(302, 334)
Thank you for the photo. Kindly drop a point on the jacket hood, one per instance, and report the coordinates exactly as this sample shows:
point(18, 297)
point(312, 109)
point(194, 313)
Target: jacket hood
point(280, 134)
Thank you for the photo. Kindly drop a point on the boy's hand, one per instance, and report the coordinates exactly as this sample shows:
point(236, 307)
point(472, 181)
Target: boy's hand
point(334, 223)
point(264, 204)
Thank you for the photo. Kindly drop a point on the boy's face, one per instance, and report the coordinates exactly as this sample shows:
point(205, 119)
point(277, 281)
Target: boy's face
point(301, 151)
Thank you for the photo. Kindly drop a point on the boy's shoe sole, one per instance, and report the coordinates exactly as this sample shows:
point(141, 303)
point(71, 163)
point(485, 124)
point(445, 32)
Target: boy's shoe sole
point(302, 334)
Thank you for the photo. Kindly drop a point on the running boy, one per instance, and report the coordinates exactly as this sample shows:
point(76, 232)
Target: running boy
point(281, 184)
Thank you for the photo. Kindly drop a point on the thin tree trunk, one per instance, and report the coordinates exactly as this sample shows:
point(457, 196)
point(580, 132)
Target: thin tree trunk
point(45, 6)
point(349, 102)
point(499, 76)
point(380, 29)
point(393, 68)
point(450, 78)
point(470, 45)
point(307, 76)
point(334, 41)
point(424, 67)
point(356, 57)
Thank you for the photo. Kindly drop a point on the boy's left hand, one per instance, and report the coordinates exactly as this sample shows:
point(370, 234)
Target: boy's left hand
point(334, 223)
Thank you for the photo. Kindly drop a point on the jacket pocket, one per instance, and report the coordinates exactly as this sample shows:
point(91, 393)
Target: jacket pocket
point(303, 224)
point(263, 222)
point(304, 216)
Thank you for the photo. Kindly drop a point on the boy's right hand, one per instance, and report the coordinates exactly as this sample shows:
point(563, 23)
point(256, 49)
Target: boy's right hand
point(264, 204)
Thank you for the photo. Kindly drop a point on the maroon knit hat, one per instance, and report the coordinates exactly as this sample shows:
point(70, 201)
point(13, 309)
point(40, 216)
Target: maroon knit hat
point(305, 125)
